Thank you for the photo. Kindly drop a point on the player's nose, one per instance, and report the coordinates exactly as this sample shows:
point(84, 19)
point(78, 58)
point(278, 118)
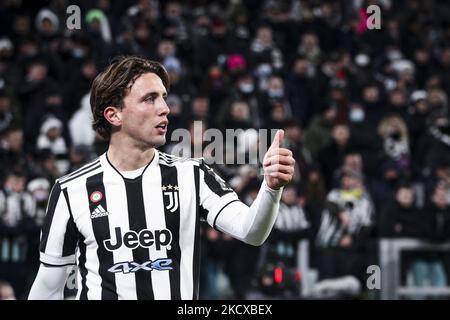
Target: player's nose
point(164, 109)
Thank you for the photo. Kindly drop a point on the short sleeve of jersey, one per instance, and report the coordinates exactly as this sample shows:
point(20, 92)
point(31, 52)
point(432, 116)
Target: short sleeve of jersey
point(215, 193)
point(59, 236)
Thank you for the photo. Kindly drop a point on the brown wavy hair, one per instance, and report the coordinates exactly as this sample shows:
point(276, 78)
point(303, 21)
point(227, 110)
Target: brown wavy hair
point(111, 86)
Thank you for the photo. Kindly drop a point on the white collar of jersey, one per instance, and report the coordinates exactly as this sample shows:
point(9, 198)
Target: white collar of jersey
point(153, 163)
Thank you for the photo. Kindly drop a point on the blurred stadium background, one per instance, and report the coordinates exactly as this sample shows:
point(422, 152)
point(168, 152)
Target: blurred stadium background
point(365, 113)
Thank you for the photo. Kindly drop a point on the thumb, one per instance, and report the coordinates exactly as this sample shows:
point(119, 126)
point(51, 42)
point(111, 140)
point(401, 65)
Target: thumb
point(278, 139)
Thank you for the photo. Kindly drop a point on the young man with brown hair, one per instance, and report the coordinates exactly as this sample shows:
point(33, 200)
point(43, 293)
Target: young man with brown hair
point(134, 212)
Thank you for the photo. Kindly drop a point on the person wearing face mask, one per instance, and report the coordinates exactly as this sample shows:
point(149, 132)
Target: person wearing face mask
point(244, 90)
point(356, 115)
point(275, 93)
point(274, 97)
point(363, 137)
point(81, 47)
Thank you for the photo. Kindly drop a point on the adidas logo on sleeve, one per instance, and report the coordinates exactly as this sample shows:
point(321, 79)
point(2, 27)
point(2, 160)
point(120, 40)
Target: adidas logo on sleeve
point(99, 212)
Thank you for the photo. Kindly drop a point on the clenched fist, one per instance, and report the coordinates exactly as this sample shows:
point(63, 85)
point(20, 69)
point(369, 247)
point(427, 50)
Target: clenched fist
point(278, 163)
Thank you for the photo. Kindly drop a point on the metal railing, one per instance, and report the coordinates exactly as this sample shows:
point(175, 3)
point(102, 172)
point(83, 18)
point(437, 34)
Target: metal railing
point(390, 264)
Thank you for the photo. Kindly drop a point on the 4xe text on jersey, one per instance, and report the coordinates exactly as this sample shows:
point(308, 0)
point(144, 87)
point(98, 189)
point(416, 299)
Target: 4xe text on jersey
point(130, 267)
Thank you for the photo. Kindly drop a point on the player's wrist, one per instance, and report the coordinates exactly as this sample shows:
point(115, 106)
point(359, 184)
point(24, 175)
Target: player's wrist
point(271, 188)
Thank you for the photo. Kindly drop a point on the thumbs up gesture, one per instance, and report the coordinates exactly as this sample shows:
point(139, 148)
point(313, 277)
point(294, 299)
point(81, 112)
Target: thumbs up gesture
point(278, 163)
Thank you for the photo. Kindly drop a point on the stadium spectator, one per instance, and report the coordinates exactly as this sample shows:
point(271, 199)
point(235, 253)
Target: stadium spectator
point(433, 268)
point(17, 227)
point(342, 239)
point(6, 291)
point(300, 88)
point(396, 142)
point(401, 216)
point(338, 148)
point(51, 138)
point(81, 132)
point(318, 133)
point(7, 117)
point(11, 152)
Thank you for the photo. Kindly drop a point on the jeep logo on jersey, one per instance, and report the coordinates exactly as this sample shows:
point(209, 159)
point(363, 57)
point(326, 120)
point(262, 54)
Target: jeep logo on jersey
point(145, 238)
point(171, 193)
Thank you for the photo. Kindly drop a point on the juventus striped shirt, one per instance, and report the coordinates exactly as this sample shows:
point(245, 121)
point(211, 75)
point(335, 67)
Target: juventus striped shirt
point(133, 238)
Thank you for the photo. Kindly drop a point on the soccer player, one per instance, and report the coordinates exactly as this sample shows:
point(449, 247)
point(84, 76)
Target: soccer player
point(130, 219)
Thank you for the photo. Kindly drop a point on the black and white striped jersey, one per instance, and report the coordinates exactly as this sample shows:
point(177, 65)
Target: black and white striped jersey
point(291, 218)
point(133, 238)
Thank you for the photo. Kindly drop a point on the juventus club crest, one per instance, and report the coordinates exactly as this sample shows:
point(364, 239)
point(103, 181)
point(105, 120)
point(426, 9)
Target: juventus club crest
point(171, 197)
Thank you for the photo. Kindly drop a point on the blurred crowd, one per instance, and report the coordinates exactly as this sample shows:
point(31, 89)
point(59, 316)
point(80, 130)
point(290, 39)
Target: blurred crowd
point(365, 113)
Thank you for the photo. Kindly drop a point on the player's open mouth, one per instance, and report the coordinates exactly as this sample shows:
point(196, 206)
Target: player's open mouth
point(162, 126)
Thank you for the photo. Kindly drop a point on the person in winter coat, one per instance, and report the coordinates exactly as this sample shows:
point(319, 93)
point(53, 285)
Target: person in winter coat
point(51, 138)
point(80, 127)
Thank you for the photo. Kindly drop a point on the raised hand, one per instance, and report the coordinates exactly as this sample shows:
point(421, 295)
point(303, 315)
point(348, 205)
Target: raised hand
point(278, 163)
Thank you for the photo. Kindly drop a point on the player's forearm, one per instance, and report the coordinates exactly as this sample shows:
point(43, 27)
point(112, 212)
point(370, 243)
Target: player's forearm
point(49, 283)
point(251, 224)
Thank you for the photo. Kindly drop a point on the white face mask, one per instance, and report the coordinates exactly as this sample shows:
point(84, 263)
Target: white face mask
point(357, 115)
point(275, 93)
point(264, 70)
point(78, 53)
point(362, 60)
point(40, 195)
point(246, 87)
point(394, 55)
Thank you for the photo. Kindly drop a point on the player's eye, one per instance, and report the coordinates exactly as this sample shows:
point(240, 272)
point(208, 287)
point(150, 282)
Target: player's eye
point(150, 99)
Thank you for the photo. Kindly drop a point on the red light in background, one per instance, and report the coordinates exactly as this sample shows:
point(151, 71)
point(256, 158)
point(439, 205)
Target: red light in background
point(298, 276)
point(278, 275)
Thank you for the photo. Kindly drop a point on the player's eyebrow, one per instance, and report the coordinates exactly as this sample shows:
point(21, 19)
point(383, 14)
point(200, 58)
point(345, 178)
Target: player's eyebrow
point(153, 94)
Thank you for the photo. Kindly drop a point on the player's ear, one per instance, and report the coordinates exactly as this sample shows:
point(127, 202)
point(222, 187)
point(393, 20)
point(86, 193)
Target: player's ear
point(113, 115)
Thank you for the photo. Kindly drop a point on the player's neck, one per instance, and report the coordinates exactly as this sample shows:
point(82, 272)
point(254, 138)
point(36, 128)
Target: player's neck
point(127, 157)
